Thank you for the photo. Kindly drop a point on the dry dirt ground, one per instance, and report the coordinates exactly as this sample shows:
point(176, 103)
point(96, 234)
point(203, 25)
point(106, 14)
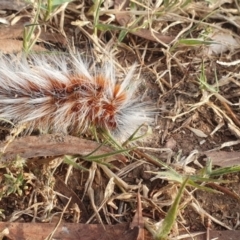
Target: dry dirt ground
point(193, 85)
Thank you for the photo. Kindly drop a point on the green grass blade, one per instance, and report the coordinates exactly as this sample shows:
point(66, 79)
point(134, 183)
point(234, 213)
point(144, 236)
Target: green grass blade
point(70, 161)
point(193, 42)
point(171, 215)
point(101, 156)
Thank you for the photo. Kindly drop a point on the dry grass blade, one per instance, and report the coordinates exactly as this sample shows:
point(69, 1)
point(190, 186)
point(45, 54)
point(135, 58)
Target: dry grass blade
point(59, 222)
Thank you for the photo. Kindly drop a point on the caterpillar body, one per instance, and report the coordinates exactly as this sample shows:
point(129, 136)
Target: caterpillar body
point(58, 92)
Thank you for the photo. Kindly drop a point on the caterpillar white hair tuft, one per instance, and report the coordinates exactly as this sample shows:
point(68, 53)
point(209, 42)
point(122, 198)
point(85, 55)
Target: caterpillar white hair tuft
point(58, 92)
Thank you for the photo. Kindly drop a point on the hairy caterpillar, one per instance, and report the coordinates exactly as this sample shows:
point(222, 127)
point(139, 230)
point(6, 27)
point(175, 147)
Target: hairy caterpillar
point(58, 92)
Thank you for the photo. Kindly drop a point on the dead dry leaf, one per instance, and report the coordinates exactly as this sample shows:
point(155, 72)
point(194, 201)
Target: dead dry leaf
point(223, 41)
point(124, 18)
point(223, 158)
point(197, 132)
point(53, 145)
point(10, 33)
point(16, 5)
point(8, 46)
point(68, 231)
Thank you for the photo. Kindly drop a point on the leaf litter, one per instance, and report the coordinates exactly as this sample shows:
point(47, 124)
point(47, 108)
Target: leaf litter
point(188, 56)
